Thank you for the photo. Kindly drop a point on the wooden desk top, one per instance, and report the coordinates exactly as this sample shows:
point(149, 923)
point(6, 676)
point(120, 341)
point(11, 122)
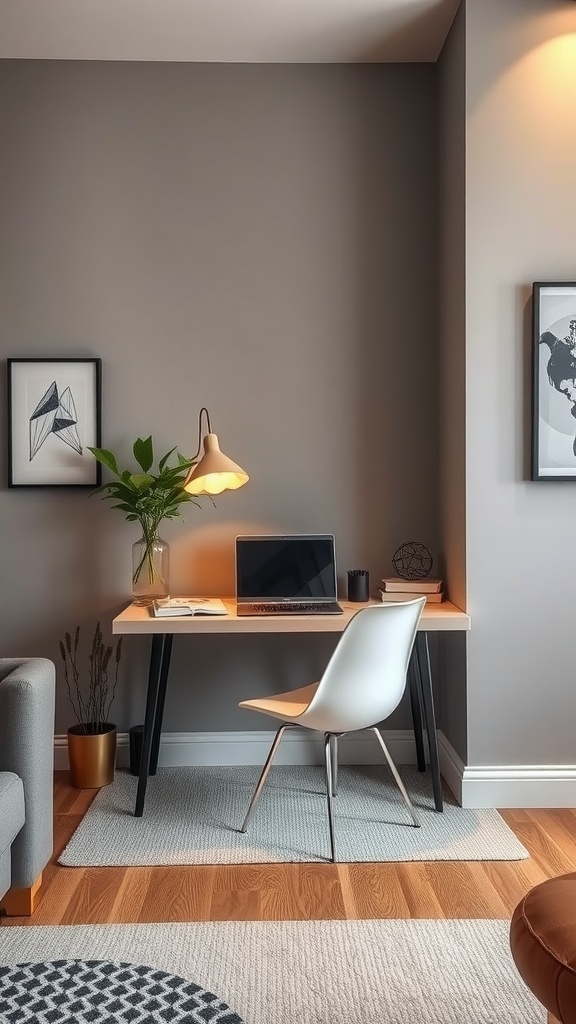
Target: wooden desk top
point(135, 620)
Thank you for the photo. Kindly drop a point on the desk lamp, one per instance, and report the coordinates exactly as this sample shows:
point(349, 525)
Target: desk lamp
point(215, 472)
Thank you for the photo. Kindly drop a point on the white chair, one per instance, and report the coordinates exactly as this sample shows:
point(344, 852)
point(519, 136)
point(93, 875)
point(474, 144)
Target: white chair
point(363, 683)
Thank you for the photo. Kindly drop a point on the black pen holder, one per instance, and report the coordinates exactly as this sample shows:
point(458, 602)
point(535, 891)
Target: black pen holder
point(358, 585)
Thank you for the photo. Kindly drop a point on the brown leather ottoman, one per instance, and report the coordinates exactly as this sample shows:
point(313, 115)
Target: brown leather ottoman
point(543, 944)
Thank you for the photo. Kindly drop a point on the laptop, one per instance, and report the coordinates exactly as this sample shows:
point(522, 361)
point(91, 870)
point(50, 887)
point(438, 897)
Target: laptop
point(288, 575)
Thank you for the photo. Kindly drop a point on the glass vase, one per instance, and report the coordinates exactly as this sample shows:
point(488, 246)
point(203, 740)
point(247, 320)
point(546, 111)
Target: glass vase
point(150, 570)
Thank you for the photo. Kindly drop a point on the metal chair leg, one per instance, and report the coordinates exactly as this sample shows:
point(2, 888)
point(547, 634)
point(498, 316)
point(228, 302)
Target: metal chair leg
point(394, 771)
point(264, 775)
point(334, 755)
point(329, 777)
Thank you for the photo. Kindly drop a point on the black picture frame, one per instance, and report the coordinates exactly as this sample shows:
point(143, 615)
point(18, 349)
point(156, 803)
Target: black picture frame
point(54, 409)
point(554, 380)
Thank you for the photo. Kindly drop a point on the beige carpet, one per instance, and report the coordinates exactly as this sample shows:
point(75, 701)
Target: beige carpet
point(192, 816)
point(314, 972)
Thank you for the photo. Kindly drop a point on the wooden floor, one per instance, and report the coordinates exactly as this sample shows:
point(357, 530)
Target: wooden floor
point(440, 889)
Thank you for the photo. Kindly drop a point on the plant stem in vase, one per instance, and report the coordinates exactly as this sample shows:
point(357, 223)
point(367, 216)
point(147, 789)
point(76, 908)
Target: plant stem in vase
point(150, 569)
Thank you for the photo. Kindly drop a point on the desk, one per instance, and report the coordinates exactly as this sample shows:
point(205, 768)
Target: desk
point(135, 620)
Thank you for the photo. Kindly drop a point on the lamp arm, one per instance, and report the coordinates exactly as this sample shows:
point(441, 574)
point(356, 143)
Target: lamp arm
point(202, 410)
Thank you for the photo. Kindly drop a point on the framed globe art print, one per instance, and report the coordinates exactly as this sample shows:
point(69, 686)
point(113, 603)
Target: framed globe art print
point(554, 381)
point(54, 416)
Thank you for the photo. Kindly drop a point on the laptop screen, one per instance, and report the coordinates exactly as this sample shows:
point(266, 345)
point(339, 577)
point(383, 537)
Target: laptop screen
point(285, 568)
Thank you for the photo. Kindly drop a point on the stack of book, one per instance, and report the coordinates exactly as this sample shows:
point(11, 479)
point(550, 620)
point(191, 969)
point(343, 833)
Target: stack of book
point(394, 588)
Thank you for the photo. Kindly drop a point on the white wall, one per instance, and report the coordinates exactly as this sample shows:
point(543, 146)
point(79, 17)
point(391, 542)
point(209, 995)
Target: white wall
point(521, 227)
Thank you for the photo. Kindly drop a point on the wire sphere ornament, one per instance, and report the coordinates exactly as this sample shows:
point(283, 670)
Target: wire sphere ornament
point(412, 561)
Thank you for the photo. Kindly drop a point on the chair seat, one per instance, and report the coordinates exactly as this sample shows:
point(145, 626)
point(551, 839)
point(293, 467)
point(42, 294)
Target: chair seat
point(286, 706)
point(362, 684)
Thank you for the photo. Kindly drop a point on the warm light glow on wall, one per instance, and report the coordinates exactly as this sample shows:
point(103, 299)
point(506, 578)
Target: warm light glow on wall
point(548, 76)
point(557, 63)
point(521, 107)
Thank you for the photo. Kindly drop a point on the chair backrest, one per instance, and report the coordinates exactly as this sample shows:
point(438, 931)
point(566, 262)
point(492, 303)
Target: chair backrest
point(366, 676)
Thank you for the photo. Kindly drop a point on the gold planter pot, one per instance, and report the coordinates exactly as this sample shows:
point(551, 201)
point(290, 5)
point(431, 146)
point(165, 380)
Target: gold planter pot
point(92, 756)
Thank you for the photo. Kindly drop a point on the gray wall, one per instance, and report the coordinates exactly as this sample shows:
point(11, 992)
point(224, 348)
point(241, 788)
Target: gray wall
point(521, 225)
point(452, 370)
point(258, 239)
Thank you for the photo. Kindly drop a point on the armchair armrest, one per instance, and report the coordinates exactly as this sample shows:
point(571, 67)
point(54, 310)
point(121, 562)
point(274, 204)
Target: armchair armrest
point(27, 696)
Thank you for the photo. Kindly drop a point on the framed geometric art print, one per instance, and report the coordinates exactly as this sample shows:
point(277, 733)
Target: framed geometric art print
point(54, 414)
point(554, 380)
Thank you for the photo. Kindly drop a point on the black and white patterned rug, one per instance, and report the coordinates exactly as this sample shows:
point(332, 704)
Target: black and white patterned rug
point(103, 992)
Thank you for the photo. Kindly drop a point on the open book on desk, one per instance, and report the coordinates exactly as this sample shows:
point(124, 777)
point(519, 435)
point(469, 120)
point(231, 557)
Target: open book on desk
point(168, 607)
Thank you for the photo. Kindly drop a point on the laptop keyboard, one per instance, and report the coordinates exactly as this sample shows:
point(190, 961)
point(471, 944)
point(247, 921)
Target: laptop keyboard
point(293, 607)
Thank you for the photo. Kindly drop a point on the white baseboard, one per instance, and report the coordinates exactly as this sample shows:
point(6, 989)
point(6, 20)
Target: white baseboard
point(520, 786)
point(473, 786)
point(223, 748)
point(540, 785)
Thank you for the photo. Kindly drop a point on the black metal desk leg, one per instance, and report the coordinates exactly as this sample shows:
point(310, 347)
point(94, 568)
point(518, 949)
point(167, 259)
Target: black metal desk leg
point(416, 714)
point(423, 659)
point(164, 670)
point(156, 658)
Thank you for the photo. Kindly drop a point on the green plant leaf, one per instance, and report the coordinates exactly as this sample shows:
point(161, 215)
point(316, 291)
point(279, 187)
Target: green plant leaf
point(147, 498)
point(177, 473)
point(165, 458)
point(141, 480)
point(144, 452)
point(124, 507)
point(106, 458)
point(122, 492)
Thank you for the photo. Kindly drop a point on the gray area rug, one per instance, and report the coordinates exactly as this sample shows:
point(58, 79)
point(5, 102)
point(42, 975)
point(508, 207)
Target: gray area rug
point(192, 816)
point(317, 972)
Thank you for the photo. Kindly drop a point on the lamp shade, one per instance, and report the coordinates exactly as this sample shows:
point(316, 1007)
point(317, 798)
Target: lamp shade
point(215, 472)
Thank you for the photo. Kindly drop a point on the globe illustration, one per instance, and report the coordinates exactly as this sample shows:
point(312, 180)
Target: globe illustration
point(412, 561)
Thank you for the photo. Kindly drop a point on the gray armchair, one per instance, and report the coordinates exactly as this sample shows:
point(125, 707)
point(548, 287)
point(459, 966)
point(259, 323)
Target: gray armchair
point(27, 691)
